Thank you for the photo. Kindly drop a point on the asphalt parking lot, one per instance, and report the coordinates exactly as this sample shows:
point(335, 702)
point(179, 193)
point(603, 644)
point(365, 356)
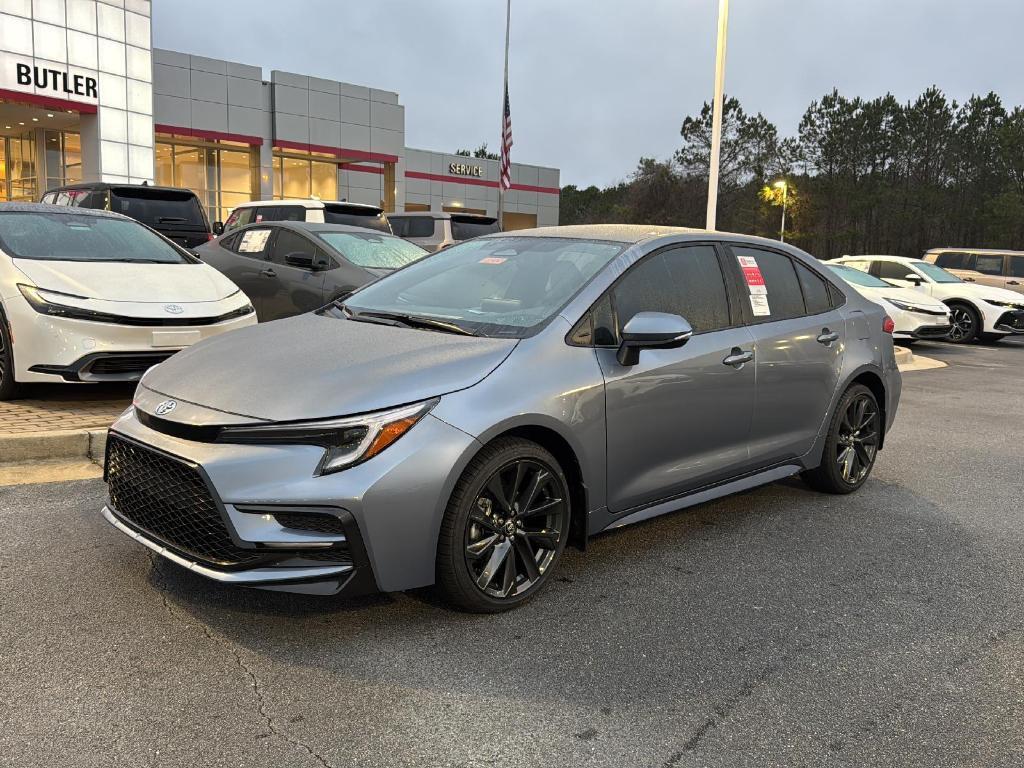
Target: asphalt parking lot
point(774, 628)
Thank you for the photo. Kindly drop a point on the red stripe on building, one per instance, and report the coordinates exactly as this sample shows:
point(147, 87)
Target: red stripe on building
point(48, 102)
point(479, 182)
point(353, 154)
point(197, 133)
point(361, 168)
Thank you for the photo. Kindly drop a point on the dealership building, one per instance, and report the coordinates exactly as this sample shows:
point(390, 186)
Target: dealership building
point(84, 96)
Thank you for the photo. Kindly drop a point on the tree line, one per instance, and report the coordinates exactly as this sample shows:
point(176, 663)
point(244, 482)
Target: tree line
point(863, 176)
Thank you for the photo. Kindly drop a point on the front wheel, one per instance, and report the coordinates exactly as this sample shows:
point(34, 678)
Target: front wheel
point(852, 444)
point(9, 388)
point(505, 527)
point(966, 323)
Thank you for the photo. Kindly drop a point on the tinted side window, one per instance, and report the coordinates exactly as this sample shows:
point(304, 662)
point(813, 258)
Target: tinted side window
point(989, 265)
point(290, 242)
point(412, 226)
point(681, 281)
point(953, 260)
point(783, 295)
point(1017, 266)
point(892, 270)
point(815, 289)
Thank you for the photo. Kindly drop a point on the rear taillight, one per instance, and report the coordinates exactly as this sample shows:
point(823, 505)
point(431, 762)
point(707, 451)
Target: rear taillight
point(888, 325)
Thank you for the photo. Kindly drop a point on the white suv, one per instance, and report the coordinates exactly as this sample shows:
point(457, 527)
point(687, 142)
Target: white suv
point(977, 311)
point(434, 230)
point(316, 211)
point(89, 295)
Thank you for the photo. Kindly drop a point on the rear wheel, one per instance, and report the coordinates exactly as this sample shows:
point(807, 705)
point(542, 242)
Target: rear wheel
point(851, 445)
point(966, 323)
point(505, 527)
point(9, 388)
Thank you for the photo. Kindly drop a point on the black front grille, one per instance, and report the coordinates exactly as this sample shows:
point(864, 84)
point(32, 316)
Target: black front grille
point(932, 331)
point(306, 521)
point(168, 500)
point(110, 365)
point(1013, 320)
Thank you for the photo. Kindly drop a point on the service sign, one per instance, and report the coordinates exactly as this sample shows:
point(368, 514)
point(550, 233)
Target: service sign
point(462, 169)
point(43, 78)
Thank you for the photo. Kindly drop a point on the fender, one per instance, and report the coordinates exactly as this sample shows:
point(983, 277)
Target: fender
point(813, 457)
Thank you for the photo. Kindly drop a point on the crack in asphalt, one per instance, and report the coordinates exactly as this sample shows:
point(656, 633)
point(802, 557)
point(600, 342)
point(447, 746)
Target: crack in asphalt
point(254, 681)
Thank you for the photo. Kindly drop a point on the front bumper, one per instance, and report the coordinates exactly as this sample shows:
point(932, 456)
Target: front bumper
point(393, 504)
point(52, 348)
point(1011, 322)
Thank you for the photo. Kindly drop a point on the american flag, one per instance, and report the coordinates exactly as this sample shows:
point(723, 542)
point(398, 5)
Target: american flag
point(506, 144)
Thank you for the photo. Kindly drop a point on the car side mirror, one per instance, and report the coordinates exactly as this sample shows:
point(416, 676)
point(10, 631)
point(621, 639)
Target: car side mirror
point(299, 259)
point(651, 330)
point(915, 279)
point(218, 228)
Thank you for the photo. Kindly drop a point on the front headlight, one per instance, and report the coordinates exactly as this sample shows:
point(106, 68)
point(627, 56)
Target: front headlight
point(906, 306)
point(1006, 304)
point(346, 442)
point(48, 302)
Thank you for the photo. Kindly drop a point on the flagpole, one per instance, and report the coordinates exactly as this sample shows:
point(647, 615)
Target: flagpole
point(716, 117)
point(504, 95)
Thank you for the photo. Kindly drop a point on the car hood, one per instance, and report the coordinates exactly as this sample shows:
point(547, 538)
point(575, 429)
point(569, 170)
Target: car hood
point(985, 292)
point(117, 281)
point(316, 366)
point(908, 295)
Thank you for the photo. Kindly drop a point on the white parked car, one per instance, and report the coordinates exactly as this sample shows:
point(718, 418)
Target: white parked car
point(977, 311)
point(314, 211)
point(916, 315)
point(89, 295)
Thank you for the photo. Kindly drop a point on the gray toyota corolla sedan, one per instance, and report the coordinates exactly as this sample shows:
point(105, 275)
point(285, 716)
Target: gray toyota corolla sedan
point(461, 420)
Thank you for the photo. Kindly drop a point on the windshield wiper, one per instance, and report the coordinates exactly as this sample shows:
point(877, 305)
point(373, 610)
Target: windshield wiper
point(411, 321)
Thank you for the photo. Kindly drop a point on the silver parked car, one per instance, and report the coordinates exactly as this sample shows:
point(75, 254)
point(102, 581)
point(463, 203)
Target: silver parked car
point(461, 420)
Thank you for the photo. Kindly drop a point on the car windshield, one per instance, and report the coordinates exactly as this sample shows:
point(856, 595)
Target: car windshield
point(373, 250)
point(78, 237)
point(369, 218)
point(856, 277)
point(938, 274)
point(495, 286)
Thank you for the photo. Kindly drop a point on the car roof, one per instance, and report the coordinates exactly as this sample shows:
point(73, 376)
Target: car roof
point(881, 256)
point(312, 227)
point(112, 185)
point(633, 233)
point(441, 215)
point(66, 210)
point(310, 204)
point(992, 251)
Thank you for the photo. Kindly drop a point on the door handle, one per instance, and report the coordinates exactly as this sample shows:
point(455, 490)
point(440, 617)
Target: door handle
point(738, 357)
point(1013, 282)
point(969, 280)
point(268, 273)
point(827, 337)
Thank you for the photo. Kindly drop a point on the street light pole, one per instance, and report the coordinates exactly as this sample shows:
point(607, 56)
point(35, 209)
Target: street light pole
point(785, 194)
point(716, 116)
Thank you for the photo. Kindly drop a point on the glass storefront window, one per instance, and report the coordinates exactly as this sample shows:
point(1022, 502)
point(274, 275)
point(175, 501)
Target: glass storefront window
point(63, 156)
point(21, 168)
point(300, 178)
point(222, 174)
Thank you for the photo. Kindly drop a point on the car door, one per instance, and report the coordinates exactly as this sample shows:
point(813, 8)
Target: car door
point(292, 290)
point(680, 418)
point(991, 269)
point(799, 339)
point(242, 257)
point(1015, 274)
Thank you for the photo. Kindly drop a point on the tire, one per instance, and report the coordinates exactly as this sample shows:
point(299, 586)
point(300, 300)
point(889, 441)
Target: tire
point(966, 323)
point(992, 338)
point(502, 536)
point(850, 452)
point(9, 388)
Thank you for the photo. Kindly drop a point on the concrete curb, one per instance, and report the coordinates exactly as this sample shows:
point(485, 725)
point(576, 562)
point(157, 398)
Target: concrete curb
point(904, 356)
point(48, 446)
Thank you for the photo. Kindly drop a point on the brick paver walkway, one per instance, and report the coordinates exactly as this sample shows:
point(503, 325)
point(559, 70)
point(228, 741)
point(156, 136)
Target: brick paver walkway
point(54, 407)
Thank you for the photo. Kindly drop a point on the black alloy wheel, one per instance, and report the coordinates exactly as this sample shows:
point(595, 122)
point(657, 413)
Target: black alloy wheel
point(966, 324)
point(505, 527)
point(8, 387)
point(852, 444)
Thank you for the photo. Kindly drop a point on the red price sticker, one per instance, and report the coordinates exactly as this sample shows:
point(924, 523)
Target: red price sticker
point(493, 260)
point(753, 275)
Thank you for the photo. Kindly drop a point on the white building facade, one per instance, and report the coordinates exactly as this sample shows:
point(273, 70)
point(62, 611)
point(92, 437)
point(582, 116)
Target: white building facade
point(84, 97)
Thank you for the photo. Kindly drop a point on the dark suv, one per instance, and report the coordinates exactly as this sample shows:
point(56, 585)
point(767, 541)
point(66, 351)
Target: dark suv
point(175, 213)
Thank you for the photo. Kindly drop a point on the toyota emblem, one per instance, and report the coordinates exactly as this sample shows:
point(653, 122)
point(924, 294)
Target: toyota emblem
point(174, 309)
point(165, 407)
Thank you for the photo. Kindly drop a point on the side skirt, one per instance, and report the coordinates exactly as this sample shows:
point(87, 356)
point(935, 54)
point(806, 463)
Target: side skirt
point(708, 494)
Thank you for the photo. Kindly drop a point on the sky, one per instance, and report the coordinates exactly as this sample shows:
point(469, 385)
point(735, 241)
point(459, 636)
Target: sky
point(596, 84)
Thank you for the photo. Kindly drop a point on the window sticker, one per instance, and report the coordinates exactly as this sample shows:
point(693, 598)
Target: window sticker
point(493, 260)
point(752, 274)
point(254, 241)
point(759, 305)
